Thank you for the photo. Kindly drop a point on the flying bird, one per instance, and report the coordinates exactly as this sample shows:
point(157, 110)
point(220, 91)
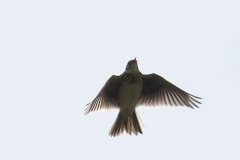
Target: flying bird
point(132, 89)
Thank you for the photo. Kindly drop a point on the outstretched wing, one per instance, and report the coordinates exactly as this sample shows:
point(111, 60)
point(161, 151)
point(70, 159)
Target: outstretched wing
point(156, 90)
point(107, 98)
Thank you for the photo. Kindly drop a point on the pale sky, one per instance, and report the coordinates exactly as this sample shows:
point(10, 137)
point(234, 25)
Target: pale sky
point(55, 56)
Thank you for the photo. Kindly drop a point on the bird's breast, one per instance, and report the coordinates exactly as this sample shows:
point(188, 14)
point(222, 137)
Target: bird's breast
point(129, 94)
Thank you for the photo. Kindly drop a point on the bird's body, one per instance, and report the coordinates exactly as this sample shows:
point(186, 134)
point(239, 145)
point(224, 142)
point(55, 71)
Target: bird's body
point(129, 95)
point(132, 89)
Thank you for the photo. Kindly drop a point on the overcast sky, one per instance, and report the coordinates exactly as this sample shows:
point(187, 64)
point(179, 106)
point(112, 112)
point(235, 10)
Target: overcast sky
point(55, 56)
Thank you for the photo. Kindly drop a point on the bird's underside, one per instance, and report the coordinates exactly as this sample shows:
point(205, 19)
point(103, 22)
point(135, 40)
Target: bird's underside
point(153, 91)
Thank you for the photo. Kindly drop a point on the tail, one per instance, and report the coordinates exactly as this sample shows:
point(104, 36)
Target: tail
point(131, 125)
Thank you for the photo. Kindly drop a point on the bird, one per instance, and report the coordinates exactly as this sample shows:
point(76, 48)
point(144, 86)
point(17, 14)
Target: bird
point(132, 89)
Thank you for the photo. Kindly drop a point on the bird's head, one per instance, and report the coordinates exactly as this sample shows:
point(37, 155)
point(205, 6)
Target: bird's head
point(132, 66)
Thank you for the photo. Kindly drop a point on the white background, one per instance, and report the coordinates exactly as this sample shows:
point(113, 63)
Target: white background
point(56, 55)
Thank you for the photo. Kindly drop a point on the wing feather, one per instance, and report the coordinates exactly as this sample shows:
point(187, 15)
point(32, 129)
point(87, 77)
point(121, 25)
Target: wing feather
point(107, 98)
point(156, 90)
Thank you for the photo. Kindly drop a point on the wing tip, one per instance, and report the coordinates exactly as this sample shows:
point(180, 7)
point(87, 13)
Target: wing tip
point(195, 96)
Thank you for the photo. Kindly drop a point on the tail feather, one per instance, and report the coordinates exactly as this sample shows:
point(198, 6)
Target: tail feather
point(131, 125)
